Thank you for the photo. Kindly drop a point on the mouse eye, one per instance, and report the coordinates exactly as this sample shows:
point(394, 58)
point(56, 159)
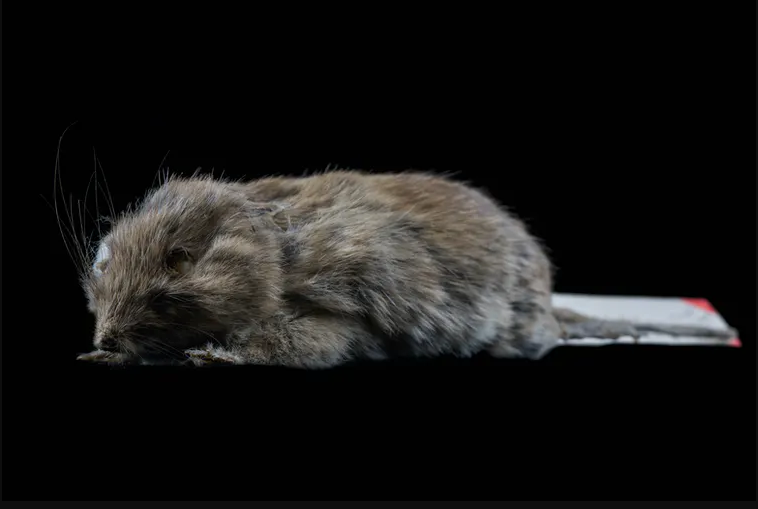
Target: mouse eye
point(179, 261)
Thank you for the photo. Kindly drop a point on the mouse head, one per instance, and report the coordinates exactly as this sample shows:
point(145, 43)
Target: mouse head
point(189, 266)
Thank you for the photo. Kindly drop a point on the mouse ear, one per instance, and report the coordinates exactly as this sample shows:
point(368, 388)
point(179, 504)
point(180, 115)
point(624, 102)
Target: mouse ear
point(101, 259)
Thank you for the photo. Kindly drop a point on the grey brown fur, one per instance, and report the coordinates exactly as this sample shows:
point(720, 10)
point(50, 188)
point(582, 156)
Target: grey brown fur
point(316, 271)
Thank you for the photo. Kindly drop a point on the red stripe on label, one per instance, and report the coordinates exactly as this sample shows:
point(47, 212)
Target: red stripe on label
point(701, 303)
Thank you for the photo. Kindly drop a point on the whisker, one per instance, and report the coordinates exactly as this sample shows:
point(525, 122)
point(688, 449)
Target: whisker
point(97, 205)
point(161, 348)
point(58, 187)
point(60, 227)
point(160, 168)
point(156, 349)
point(86, 210)
point(166, 346)
point(109, 196)
point(159, 345)
point(70, 212)
point(82, 213)
point(187, 326)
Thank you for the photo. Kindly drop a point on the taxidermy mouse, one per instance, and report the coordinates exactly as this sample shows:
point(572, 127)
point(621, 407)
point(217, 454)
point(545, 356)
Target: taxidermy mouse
point(317, 271)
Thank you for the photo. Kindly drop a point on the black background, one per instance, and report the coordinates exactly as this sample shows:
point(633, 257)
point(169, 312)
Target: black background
point(620, 137)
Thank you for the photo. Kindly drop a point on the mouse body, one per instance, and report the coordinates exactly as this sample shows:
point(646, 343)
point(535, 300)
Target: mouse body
point(316, 271)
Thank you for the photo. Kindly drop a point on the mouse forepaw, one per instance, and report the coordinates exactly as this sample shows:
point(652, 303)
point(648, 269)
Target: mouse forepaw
point(211, 355)
point(102, 357)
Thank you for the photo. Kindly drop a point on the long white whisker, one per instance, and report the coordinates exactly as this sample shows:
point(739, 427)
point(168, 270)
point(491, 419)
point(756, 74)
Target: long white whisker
point(177, 324)
point(151, 343)
point(61, 226)
point(79, 248)
point(82, 214)
point(57, 181)
point(109, 196)
point(86, 193)
point(97, 205)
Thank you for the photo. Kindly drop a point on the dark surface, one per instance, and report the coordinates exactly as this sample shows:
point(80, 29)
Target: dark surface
point(624, 158)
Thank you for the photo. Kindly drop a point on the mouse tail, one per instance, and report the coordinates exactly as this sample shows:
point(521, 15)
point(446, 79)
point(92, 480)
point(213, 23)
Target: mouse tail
point(575, 325)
